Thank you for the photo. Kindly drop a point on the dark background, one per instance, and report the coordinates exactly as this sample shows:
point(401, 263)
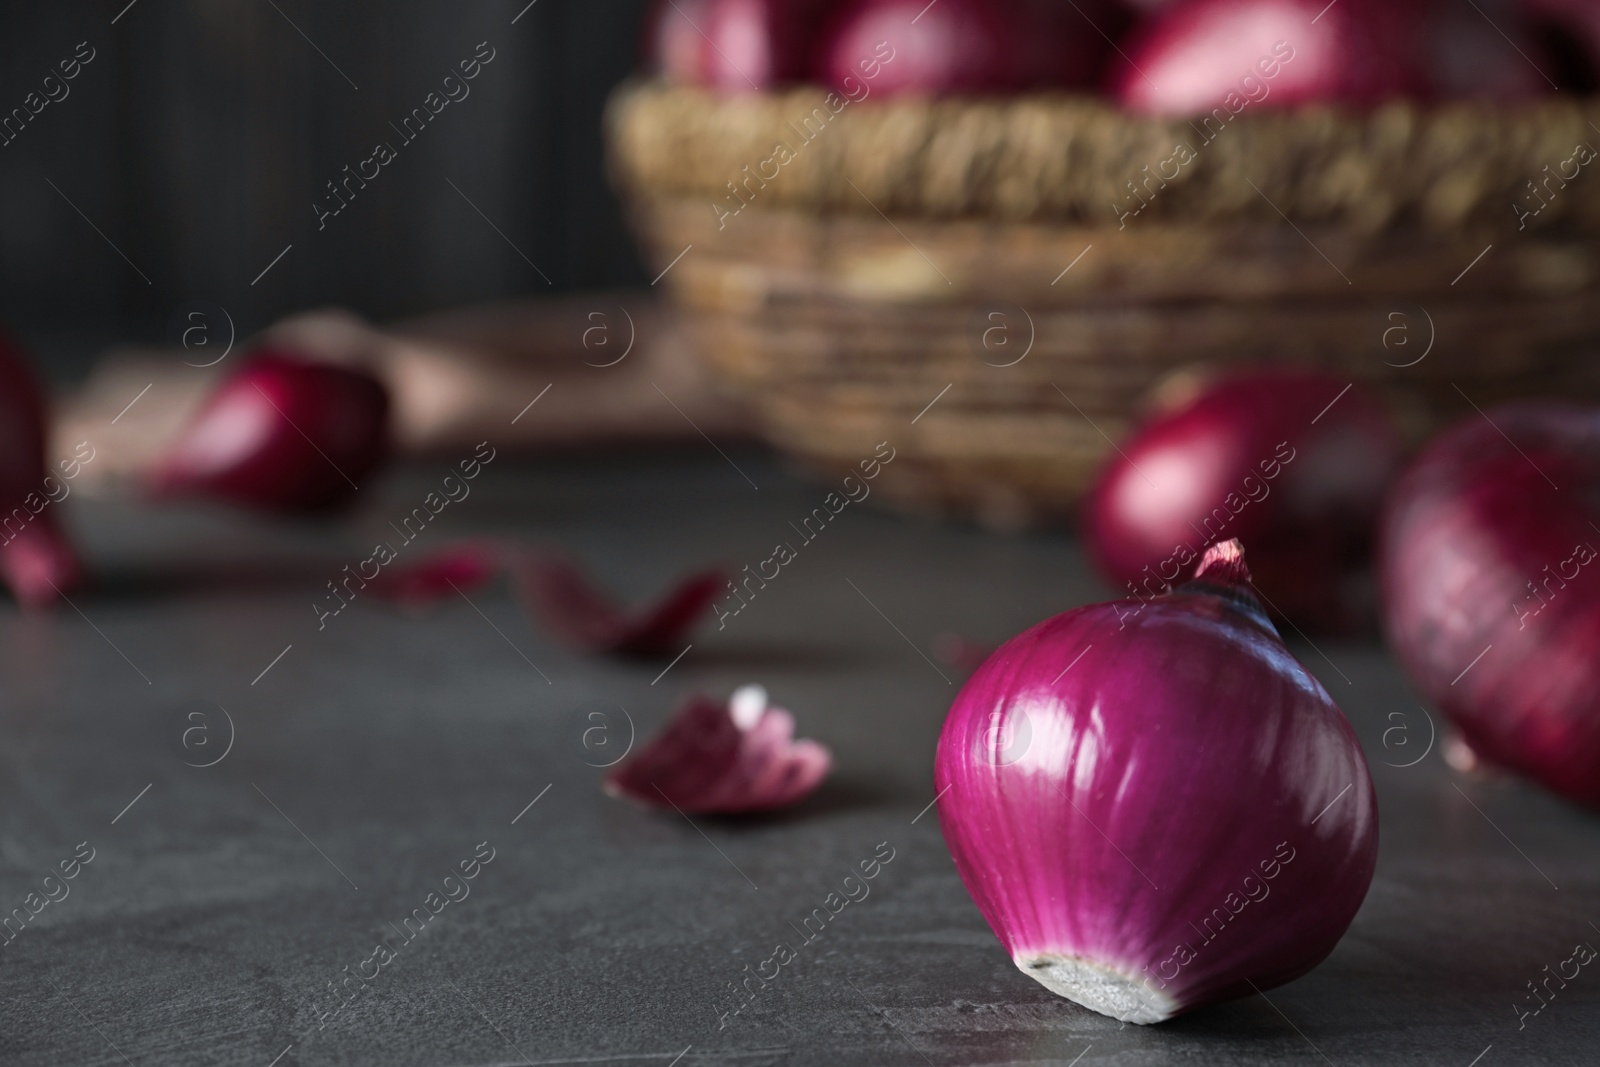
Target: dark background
point(202, 132)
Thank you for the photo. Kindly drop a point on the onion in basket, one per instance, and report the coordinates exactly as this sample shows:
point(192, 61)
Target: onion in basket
point(735, 46)
point(673, 42)
point(1219, 57)
point(959, 46)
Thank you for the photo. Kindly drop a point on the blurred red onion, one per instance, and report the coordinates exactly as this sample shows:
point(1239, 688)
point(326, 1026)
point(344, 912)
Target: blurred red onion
point(675, 42)
point(1292, 462)
point(1491, 588)
point(282, 434)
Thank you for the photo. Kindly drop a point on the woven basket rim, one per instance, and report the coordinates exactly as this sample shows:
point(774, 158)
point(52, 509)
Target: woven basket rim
point(1072, 158)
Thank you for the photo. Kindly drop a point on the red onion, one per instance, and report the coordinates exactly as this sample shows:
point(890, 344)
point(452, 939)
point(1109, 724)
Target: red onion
point(281, 434)
point(1292, 462)
point(36, 560)
point(1491, 589)
point(675, 41)
point(1217, 57)
point(723, 759)
point(578, 612)
point(897, 47)
point(765, 42)
point(1158, 808)
point(736, 45)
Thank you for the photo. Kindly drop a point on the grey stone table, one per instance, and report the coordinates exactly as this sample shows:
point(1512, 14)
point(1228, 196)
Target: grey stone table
point(372, 757)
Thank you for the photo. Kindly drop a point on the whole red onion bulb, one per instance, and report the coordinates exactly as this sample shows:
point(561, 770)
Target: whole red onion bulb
point(1491, 587)
point(282, 433)
point(1292, 462)
point(1154, 805)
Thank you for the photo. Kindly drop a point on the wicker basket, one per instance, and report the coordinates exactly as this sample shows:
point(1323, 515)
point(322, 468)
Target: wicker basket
point(981, 285)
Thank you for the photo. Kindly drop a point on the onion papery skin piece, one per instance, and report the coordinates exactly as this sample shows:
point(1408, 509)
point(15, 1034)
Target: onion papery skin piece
point(1292, 462)
point(1467, 528)
point(557, 592)
point(282, 433)
point(723, 759)
point(453, 571)
point(1105, 811)
point(37, 561)
point(580, 613)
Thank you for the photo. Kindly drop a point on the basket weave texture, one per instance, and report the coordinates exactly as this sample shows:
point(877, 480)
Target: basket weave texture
point(1051, 258)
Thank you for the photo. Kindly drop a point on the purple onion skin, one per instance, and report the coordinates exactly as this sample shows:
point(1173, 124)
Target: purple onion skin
point(1128, 796)
point(1467, 527)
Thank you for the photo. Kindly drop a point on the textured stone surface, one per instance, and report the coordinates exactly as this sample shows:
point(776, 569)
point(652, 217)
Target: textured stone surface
point(207, 926)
